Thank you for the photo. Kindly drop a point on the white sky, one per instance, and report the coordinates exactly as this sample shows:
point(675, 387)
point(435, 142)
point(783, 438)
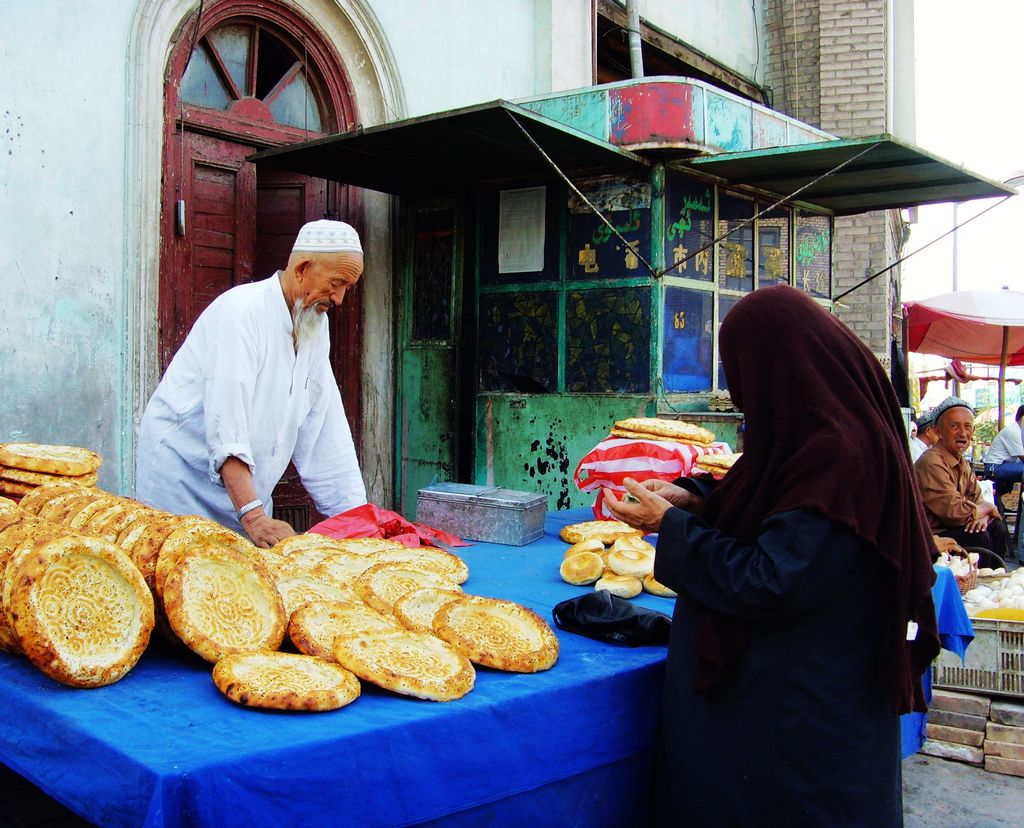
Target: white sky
point(969, 65)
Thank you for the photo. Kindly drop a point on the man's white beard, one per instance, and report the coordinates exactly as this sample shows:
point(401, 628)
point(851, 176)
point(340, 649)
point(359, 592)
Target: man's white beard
point(305, 322)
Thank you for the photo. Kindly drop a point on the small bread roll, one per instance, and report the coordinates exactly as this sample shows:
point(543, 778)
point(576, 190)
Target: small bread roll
point(588, 545)
point(581, 568)
point(633, 543)
point(625, 586)
point(657, 588)
point(631, 562)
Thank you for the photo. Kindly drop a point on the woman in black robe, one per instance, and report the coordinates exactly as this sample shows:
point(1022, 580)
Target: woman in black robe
point(804, 620)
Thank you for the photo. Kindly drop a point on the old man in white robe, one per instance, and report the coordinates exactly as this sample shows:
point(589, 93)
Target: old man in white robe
point(250, 390)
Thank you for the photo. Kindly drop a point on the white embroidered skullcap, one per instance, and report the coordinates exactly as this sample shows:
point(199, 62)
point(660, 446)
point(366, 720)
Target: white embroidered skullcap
point(326, 236)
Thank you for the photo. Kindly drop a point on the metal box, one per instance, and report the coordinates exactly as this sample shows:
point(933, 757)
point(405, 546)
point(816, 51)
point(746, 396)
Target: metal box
point(483, 513)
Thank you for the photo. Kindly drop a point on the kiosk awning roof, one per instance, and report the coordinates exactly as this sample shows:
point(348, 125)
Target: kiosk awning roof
point(882, 173)
point(452, 150)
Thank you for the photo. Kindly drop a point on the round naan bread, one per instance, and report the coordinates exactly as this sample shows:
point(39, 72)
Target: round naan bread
point(416, 609)
point(426, 558)
point(35, 478)
point(81, 611)
point(220, 601)
point(314, 628)
point(71, 461)
point(203, 534)
point(499, 634)
point(606, 531)
point(384, 583)
point(79, 512)
point(342, 567)
point(624, 586)
point(307, 540)
point(406, 662)
point(633, 562)
point(284, 681)
point(299, 590)
point(367, 546)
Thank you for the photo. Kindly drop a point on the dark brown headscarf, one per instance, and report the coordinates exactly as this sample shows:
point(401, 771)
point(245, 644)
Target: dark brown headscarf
point(823, 431)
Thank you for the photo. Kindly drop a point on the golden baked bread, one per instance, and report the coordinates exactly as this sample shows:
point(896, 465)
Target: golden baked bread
point(57, 507)
point(307, 540)
point(427, 558)
point(499, 634)
point(634, 543)
point(384, 583)
point(144, 548)
point(717, 464)
point(34, 500)
point(656, 428)
point(342, 567)
point(298, 590)
point(606, 531)
point(220, 601)
point(406, 662)
point(416, 609)
point(625, 586)
point(367, 546)
point(581, 568)
point(632, 562)
point(77, 512)
point(314, 627)
point(588, 545)
point(15, 489)
point(71, 461)
point(657, 588)
point(82, 612)
point(35, 478)
point(284, 681)
point(204, 534)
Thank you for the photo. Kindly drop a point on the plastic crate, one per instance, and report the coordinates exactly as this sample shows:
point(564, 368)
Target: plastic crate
point(994, 662)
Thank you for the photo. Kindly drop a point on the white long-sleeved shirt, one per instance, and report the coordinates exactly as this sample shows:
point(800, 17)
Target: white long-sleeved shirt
point(237, 388)
point(1006, 445)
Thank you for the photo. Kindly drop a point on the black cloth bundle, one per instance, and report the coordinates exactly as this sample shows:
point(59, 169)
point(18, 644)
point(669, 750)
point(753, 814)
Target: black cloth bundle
point(607, 617)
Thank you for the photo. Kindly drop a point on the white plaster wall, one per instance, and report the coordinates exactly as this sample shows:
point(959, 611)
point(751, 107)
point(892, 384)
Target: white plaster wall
point(454, 53)
point(62, 328)
point(730, 32)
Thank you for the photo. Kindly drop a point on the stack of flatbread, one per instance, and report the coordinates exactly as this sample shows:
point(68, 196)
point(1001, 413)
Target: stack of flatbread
point(24, 466)
point(610, 555)
point(361, 609)
point(656, 428)
point(717, 464)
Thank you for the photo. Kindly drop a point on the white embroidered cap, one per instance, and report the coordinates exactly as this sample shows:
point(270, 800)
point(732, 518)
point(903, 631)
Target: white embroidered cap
point(327, 236)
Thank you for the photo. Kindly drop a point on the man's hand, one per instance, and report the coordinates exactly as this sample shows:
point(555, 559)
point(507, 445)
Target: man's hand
point(265, 531)
point(645, 515)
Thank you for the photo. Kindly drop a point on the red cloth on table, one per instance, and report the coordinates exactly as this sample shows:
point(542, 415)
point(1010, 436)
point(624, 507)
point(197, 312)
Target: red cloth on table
point(614, 459)
point(370, 521)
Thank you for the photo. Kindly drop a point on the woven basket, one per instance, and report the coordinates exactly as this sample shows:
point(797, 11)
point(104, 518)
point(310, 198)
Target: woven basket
point(965, 582)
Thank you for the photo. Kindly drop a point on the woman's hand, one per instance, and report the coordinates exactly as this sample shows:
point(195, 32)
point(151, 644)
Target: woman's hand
point(646, 514)
point(676, 495)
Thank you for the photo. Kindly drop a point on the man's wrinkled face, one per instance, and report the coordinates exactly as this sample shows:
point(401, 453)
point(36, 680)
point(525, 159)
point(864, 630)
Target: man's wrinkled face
point(324, 279)
point(956, 429)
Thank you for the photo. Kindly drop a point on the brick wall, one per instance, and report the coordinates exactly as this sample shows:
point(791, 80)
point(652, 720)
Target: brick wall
point(827, 64)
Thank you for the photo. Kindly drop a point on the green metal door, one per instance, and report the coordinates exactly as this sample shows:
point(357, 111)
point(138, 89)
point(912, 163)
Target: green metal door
point(428, 439)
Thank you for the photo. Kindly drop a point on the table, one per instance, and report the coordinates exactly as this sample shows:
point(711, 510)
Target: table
point(955, 633)
point(571, 746)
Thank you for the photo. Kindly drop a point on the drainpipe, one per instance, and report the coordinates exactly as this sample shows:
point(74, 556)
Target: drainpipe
point(636, 57)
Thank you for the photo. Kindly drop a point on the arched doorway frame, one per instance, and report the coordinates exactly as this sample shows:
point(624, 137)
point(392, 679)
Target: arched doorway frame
point(351, 28)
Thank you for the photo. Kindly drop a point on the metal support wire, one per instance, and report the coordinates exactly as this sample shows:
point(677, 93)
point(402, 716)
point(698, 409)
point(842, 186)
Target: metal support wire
point(902, 259)
point(768, 209)
point(576, 190)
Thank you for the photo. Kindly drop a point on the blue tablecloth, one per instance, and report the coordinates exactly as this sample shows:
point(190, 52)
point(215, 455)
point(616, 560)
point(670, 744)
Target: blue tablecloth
point(163, 747)
point(956, 633)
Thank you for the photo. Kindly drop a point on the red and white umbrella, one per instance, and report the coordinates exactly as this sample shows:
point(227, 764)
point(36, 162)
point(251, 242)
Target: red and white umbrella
point(985, 326)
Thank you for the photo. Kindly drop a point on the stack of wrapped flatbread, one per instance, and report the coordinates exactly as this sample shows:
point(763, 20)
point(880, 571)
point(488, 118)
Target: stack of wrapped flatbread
point(717, 464)
point(361, 609)
point(656, 428)
point(610, 555)
point(24, 466)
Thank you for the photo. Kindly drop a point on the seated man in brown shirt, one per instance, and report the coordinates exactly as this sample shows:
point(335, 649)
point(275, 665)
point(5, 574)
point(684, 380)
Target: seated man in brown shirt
point(949, 487)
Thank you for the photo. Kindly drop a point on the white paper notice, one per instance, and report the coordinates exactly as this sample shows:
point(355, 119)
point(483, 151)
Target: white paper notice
point(521, 230)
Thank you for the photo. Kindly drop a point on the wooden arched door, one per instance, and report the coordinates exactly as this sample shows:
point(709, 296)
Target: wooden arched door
point(244, 77)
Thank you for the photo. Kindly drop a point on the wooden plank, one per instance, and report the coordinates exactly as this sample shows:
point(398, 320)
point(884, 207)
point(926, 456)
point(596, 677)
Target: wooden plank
point(1005, 733)
point(213, 257)
point(956, 702)
point(1010, 767)
point(213, 239)
point(958, 753)
point(965, 721)
point(1005, 749)
point(955, 734)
